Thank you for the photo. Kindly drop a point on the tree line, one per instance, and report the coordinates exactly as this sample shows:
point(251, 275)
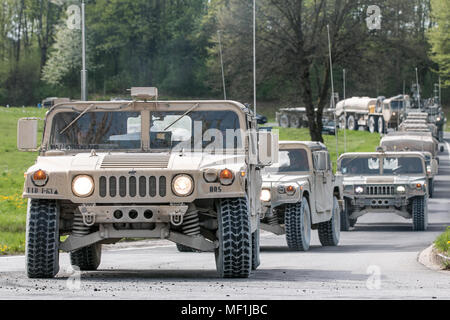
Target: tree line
point(173, 45)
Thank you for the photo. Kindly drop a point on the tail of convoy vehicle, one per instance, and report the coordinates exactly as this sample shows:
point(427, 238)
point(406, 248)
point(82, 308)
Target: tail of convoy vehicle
point(301, 193)
point(185, 171)
point(381, 182)
point(373, 114)
point(416, 141)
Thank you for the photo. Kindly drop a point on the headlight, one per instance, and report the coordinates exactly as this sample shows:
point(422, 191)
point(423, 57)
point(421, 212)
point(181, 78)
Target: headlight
point(401, 189)
point(359, 190)
point(39, 178)
point(83, 186)
point(226, 177)
point(182, 185)
point(290, 190)
point(265, 195)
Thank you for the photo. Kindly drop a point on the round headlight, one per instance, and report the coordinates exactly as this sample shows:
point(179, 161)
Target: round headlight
point(359, 190)
point(182, 185)
point(265, 195)
point(83, 186)
point(401, 189)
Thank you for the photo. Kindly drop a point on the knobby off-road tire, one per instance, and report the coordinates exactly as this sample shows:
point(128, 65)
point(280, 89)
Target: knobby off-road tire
point(431, 187)
point(42, 239)
point(329, 231)
point(420, 214)
point(256, 261)
point(353, 222)
point(345, 214)
point(297, 218)
point(88, 258)
point(183, 248)
point(234, 254)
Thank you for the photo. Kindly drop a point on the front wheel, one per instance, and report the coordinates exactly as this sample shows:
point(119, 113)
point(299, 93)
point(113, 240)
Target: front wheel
point(329, 231)
point(345, 216)
point(42, 239)
point(372, 124)
point(430, 187)
point(381, 125)
point(420, 214)
point(234, 254)
point(87, 258)
point(298, 225)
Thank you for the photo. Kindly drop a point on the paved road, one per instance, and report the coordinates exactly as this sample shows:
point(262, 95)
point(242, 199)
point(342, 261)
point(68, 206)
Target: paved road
point(378, 259)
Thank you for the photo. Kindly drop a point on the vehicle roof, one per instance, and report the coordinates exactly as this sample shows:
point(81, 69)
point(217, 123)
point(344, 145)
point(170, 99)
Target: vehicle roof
point(314, 146)
point(381, 153)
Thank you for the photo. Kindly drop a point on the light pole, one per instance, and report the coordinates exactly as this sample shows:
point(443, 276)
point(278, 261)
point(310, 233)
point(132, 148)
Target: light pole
point(83, 53)
point(418, 89)
point(333, 105)
point(221, 63)
point(254, 56)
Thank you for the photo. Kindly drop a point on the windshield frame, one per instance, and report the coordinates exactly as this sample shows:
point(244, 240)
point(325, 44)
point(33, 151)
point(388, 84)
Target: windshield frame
point(288, 147)
point(145, 108)
point(381, 161)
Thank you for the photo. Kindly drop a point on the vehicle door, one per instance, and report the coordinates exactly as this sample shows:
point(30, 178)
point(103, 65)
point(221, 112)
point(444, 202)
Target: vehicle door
point(323, 182)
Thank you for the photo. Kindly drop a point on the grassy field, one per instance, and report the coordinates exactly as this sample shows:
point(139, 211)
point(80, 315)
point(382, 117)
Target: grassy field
point(357, 141)
point(12, 167)
point(442, 243)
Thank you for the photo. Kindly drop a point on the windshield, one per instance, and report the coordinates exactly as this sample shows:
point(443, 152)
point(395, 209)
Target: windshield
point(391, 166)
point(396, 105)
point(290, 161)
point(197, 130)
point(96, 130)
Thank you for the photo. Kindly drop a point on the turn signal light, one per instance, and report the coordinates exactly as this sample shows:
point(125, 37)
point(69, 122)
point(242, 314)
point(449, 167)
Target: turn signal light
point(39, 175)
point(226, 177)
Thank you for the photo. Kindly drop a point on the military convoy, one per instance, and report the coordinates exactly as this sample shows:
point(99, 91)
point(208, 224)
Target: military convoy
point(186, 171)
point(382, 182)
point(300, 193)
point(204, 176)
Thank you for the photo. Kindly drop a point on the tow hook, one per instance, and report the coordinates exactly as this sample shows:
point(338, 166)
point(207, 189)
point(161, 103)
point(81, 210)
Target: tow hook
point(176, 218)
point(88, 218)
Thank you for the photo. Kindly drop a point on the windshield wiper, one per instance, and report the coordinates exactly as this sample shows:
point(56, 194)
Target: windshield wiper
point(182, 116)
point(76, 119)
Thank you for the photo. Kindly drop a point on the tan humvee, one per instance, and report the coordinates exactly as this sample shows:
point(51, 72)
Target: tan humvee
point(385, 182)
point(176, 170)
point(422, 142)
point(50, 102)
point(300, 193)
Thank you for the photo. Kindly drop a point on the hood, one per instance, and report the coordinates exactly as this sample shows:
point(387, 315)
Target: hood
point(283, 178)
point(383, 180)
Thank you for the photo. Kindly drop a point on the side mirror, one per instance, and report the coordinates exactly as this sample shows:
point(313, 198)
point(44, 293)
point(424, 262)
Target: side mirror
point(321, 160)
point(267, 148)
point(27, 129)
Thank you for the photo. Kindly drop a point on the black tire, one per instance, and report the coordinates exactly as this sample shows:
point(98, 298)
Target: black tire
point(297, 219)
point(372, 125)
point(234, 254)
point(381, 125)
point(256, 261)
point(329, 231)
point(183, 248)
point(352, 124)
point(430, 187)
point(342, 122)
point(345, 214)
point(284, 121)
point(353, 222)
point(88, 258)
point(42, 239)
point(294, 122)
point(420, 214)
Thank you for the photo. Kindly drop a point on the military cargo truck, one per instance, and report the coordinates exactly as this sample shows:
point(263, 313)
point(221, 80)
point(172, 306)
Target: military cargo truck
point(185, 171)
point(383, 182)
point(300, 193)
point(297, 117)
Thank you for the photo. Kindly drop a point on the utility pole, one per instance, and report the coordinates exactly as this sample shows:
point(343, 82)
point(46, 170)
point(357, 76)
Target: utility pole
point(221, 63)
point(418, 89)
point(345, 116)
point(254, 56)
point(332, 93)
point(84, 93)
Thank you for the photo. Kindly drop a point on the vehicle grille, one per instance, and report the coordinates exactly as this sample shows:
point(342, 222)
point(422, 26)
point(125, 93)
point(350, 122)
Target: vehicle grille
point(135, 161)
point(380, 190)
point(132, 186)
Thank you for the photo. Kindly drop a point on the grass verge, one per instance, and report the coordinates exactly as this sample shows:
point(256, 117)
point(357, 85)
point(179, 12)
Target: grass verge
point(442, 244)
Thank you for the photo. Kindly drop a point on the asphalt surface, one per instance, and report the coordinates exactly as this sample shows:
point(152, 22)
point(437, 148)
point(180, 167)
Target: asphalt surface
point(376, 260)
